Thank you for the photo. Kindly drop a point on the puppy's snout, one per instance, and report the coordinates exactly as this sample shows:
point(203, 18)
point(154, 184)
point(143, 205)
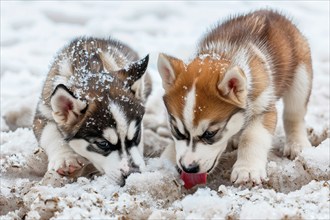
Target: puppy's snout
point(128, 167)
point(124, 175)
point(132, 169)
point(191, 168)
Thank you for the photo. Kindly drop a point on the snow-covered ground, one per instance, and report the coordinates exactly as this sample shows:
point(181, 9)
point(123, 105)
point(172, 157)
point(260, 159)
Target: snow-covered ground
point(32, 33)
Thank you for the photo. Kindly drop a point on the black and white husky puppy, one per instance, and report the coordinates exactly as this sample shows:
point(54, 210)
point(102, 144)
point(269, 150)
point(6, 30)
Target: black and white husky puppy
point(91, 106)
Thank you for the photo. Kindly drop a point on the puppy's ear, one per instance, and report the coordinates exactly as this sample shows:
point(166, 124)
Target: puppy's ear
point(134, 71)
point(169, 68)
point(233, 87)
point(66, 108)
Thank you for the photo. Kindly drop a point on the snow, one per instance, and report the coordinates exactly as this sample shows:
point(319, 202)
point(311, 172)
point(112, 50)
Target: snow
point(33, 32)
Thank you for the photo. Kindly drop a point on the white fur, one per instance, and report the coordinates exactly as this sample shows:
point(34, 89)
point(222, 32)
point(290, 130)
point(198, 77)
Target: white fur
point(65, 68)
point(60, 155)
point(189, 108)
point(59, 79)
point(294, 112)
point(111, 135)
point(180, 125)
point(131, 130)
point(254, 146)
point(120, 118)
point(136, 153)
point(110, 165)
point(123, 164)
point(166, 71)
point(234, 125)
point(45, 111)
point(263, 101)
point(202, 126)
point(123, 131)
point(169, 154)
point(206, 155)
point(64, 75)
point(111, 62)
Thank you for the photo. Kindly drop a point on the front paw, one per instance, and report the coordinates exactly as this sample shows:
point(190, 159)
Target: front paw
point(293, 147)
point(66, 164)
point(245, 173)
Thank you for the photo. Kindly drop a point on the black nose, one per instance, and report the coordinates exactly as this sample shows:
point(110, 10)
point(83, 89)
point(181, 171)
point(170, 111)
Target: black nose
point(192, 168)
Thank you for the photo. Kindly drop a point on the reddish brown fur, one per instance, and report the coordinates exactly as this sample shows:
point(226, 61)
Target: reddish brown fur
point(260, 78)
point(286, 46)
point(270, 120)
point(274, 36)
point(267, 58)
point(209, 103)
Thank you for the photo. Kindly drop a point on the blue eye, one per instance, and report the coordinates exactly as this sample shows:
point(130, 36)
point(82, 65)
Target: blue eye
point(104, 145)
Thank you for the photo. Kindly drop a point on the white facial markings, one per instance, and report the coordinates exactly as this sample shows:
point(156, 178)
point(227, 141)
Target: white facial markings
point(137, 158)
point(121, 122)
point(131, 130)
point(124, 129)
point(124, 167)
point(202, 127)
point(207, 154)
point(188, 111)
point(122, 126)
point(80, 146)
point(183, 151)
point(180, 126)
point(110, 165)
point(111, 135)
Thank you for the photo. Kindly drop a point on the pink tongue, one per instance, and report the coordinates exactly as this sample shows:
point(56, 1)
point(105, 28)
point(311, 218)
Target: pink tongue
point(192, 179)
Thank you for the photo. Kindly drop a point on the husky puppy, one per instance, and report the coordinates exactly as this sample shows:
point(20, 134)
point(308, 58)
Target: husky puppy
point(91, 106)
point(241, 68)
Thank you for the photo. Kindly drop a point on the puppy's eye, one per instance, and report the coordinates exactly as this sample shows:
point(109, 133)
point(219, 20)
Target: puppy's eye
point(208, 135)
point(104, 145)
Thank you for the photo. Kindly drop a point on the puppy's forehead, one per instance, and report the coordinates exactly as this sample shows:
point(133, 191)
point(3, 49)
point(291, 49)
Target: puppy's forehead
point(124, 119)
point(195, 96)
point(129, 104)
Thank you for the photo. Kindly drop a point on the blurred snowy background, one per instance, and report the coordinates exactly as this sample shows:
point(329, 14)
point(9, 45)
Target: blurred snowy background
point(31, 34)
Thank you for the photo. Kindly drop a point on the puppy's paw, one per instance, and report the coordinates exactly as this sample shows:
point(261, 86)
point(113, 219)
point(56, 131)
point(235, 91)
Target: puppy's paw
point(66, 164)
point(250, 174)
point(293, 147)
